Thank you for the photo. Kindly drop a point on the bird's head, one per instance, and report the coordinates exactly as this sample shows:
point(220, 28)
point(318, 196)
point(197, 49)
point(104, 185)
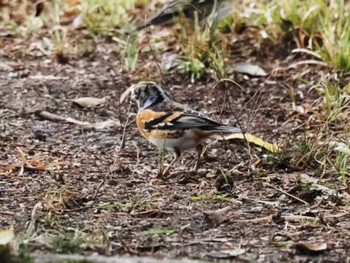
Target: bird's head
point(146, 94)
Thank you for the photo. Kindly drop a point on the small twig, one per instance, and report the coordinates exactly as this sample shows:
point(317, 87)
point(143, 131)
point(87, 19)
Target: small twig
point(298, 217)
point(158, 66)
point(137, 156)
point(7, 213)
point(54, 117)
point(235, 115)
point(116, 159)
point(289, 217)
point(31, 225)
point(286, 193)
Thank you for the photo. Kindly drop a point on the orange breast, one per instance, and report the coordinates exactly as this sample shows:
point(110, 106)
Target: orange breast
point(149, 115)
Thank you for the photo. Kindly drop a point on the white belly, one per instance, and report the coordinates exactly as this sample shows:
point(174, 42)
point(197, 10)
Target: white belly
point(188, 141)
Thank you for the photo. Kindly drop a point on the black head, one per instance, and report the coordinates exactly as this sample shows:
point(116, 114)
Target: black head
point(148, 94)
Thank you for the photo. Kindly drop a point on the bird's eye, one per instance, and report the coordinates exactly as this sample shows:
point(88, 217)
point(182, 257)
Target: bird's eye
point(137, 94)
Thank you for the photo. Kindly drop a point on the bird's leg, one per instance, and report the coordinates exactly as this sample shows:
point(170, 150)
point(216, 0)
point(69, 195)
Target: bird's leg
point(199, 149)
point(176, 157)
point(161, 161)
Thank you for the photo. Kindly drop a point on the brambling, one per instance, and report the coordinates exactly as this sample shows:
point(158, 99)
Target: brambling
point(169, 125)
point(176, 7)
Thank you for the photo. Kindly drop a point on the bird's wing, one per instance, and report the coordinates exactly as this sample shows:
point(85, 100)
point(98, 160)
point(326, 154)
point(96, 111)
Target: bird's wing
point(187, 120)
point(165, 14)
point(171, 115)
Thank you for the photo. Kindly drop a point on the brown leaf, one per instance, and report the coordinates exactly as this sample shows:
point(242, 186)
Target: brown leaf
point(89, 102)
point(6, 236)
point(216, 217)
point(311, 247)
point(250, 69)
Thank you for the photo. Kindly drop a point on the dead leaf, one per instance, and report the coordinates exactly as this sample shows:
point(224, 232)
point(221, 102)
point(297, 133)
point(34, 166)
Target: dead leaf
point(253, 139)
point(250, 69)
point(311, 247)
point(217, 217)
point(90, 102)
point(36, 163)
point(6, 236)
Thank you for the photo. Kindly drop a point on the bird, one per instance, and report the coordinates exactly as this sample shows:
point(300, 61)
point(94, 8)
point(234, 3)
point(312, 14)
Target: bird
point(169, 125)
point(177, 7)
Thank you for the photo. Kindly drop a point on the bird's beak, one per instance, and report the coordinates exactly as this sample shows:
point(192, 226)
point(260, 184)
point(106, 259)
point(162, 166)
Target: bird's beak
point(128, 92)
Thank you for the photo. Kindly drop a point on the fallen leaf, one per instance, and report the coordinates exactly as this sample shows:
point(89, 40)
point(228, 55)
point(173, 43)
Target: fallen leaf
point(250, 69)
point(6, 236)
point(311, 247)
point(216, 217)
point(89, 102)
point(253, 139)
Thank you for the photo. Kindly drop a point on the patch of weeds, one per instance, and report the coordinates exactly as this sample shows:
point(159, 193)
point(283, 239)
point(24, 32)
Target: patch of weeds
point(314, 24)
point(58, 200)
point(216, 197)
point(119, 206)
point(61, 44)
point(294, 20)
point(335, 100)
point(132, 52)
point(21, 17)
point(68, 242)
point(279, 160)
point(105, 16)
point(202, 50)
point(334, 23)
point(326, 146)
point(224, 182)
point(86, 48)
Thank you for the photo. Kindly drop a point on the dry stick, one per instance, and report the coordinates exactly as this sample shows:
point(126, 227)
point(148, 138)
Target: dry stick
point(54, 117)
point(31, 226)
point(270, 217)
point(7, 213)
point(237, 119)
point(257, 101)
point(286, 193)
point(111, 169)
point(158, 66)
point(137, 156)
point(116, 159)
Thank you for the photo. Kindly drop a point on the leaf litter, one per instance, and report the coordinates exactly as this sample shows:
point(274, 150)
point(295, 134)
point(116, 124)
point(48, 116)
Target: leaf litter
point(134, 214)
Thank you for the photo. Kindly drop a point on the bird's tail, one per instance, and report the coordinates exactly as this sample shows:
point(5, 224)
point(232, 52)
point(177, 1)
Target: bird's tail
point(225, 129)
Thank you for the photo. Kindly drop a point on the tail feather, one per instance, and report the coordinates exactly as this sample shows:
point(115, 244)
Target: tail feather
point(223, 128)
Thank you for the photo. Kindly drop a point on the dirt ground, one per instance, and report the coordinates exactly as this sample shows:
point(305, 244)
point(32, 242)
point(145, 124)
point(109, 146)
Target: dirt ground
point(268, 212)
